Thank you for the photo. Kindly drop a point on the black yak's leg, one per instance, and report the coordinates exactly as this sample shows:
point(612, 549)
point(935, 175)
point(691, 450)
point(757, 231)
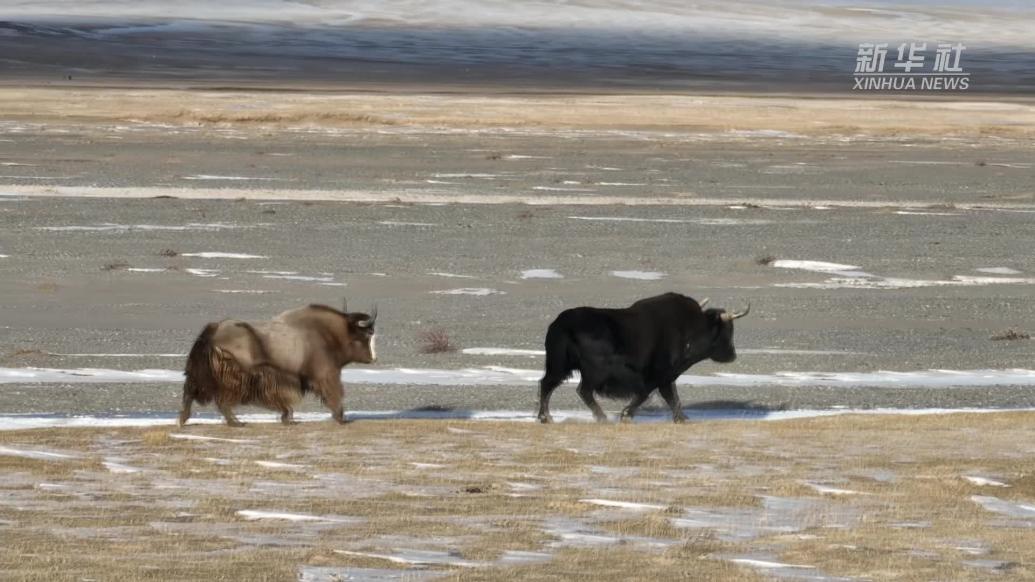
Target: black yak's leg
point(585, 391)
point(671, 396)
point(630, 410)
point(546, 387)
point(188, 400)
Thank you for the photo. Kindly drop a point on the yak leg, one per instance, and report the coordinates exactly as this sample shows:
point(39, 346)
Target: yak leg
point(287, 416)
point(546, 387)
point(227, 410)
point(586, 393)
point(630, 410)
point(332, 393)
point(188, 400)
point(671, 396)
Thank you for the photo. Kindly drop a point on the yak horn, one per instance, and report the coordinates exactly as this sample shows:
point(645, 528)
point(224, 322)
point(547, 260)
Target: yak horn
point(704, 302)
point(373, 314)
point(345, 305)
point(736, 314)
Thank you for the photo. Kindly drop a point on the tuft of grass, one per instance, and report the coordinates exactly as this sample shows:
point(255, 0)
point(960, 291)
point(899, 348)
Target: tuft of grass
point(1010, 335)
point(494, 156)
point(168, 253)
point(153, 438)
point(981, 163)
point(115, 266)
point(765, 260)
point(524, 215)
point(436, 341)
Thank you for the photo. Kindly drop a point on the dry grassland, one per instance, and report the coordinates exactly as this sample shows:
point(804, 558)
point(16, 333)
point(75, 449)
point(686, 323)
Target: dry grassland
point(820, 116)
point(948, 497)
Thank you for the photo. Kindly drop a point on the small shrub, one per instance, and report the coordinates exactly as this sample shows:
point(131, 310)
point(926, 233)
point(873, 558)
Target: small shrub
point(115, 266)
point(1010, 335)
point(436, 341)
point(168, 253)
point(765, 260)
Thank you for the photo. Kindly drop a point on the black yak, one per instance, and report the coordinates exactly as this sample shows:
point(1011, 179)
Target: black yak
point(629, 353)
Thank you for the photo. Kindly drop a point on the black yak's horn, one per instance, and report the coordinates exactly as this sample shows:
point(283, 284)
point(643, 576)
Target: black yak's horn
point(373, 314)
point(344, 304)
point(736, 314)
point(704, 302)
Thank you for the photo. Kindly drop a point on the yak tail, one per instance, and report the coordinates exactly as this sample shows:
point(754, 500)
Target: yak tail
point(200, 383)
point(562, 357)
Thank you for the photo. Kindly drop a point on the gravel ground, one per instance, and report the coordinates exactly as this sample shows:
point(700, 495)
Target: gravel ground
point(69, 286)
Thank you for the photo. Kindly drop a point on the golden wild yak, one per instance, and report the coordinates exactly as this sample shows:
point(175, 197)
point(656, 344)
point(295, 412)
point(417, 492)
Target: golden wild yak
point(274, 363)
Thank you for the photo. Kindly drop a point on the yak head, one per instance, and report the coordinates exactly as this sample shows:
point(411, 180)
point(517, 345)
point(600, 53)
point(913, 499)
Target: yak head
point(720, 326)
point(361, 336)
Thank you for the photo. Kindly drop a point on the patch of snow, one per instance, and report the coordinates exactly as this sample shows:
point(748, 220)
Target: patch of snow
point(118, 355)
point(504, 376)
point(501, 352)
point(452, 275)
point(203, 272)
point(999, 271)
point(1003, 507)
point(700, 221)
point(229, 178)
point(640, 275)
point(29, 421)
point(198, 437)
point(256, 514)
point(398, 223)
point(122, 228)
point(35, 454)
point(477, 291)
point(766, 564)
point(349, 574)
point(521, 558)
point(117, 467)
point(144, 269)
point(419, 558)
point(301, 278)
point(244, 291)
point(817, 266)
point(919, 213)
point(541, 274)
point(766, 133)
point(278, 465)
point(984, 481)
point(624, 504)
point(828, 490)
point(219, 255)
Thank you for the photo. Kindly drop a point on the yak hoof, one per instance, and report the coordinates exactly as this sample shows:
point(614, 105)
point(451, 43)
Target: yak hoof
point(235, 423)
point(545, 419)
point(679, 419)
point(625, 419)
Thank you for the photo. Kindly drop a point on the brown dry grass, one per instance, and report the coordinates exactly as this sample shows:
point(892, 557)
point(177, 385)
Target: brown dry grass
point(481, 488)
point(813, 117)
point(435, 341)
